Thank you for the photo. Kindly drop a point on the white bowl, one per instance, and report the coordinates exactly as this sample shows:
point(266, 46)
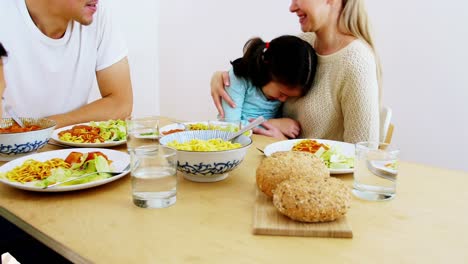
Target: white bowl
point(207, 166)
point(15, 145)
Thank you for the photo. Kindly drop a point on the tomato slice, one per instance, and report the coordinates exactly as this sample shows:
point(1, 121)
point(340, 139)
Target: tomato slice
point(74, 157)
point(92, 155)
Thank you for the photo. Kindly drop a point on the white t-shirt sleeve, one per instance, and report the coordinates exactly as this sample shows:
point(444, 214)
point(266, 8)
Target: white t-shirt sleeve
point(111, 45)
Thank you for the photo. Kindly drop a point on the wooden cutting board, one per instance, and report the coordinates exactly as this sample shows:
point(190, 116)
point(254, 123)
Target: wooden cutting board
point(269, 221)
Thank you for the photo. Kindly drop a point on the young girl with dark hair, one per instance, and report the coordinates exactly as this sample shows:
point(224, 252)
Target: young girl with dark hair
point(267, 74)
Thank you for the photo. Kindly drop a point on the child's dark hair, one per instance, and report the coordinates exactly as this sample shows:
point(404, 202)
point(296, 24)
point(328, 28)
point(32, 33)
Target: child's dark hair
point(288, 60)
point(3, 52)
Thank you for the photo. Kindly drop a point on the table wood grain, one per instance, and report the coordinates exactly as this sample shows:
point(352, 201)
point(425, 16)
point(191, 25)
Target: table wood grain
point(267, 220)
point(212, 222)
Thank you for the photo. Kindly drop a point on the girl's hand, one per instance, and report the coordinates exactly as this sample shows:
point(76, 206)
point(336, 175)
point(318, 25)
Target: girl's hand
point(269, 130)
point(219, 81)
point(289, 127)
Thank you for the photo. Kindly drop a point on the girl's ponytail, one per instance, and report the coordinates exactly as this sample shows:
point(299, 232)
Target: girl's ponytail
point(252, 65)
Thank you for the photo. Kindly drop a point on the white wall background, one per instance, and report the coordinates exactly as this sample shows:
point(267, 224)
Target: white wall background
point(199, 37)
point(422, 45)
point(139, 25)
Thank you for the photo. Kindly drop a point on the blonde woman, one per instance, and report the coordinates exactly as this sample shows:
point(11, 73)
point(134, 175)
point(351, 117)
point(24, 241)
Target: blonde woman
point(344, 101)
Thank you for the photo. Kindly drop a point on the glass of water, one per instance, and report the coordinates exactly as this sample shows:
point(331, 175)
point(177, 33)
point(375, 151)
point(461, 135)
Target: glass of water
point(142, 131)
point(375, 171)
point(154, 176)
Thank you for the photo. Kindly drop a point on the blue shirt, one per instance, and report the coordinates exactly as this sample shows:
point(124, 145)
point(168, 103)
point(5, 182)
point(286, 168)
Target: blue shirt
point(250, 101)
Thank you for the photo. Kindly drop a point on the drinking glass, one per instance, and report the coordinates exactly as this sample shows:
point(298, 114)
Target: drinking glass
point(142, 131)
point(375, 171)
point(154, 176)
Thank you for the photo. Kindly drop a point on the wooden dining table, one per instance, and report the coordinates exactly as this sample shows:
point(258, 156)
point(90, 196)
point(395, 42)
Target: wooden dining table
point(427, 222)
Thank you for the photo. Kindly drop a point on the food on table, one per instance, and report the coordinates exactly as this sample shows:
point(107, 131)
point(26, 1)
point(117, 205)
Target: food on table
point(301, 187)
point(330, 155)
point(81, 134)
point(309, 145)
point(95, 132)
point(172, 131)
point(48, 172)
point(226, 127)
point(392, 165)
point(283, 165)
point(74, 157)
point(33, 170)
point(197, 126)
point(15, 128)
point(112, 130)
point(202, 126)
point(93, 155)
point(312, 199)
point(221, 126)
point(216, 144)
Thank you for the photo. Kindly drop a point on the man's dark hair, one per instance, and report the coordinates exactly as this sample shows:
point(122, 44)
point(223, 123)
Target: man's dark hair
point(3, 52)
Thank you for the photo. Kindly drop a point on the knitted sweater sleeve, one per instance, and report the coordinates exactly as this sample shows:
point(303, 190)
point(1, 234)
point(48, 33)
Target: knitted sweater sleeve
point(359, 98)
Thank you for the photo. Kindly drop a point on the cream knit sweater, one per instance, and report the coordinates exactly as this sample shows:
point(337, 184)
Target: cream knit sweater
point(343, 103)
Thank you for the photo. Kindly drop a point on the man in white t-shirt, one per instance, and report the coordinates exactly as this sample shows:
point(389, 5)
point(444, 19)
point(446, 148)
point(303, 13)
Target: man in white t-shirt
point(56, 50)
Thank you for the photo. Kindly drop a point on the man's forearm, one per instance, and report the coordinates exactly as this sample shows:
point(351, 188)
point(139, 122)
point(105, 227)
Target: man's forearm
point(103, 109)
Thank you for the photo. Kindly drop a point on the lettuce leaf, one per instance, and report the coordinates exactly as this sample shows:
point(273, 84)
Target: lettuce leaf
point(98, 164)
point(334, 159)
point(111, 130)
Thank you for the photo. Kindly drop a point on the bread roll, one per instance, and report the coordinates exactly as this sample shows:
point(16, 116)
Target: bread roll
point(283, 165)
point(312, 199)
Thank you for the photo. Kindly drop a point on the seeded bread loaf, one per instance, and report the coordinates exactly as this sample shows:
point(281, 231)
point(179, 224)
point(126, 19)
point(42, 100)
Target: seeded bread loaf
point(283, 165)
point(313, 199)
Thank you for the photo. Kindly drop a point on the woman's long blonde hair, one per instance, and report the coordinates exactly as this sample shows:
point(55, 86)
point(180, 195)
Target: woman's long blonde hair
point(354, 20)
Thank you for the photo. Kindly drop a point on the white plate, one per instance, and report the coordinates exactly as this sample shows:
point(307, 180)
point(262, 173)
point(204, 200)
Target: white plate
point(119, 159)
point(181, 126)
point(347, 149)
point(84, 145)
